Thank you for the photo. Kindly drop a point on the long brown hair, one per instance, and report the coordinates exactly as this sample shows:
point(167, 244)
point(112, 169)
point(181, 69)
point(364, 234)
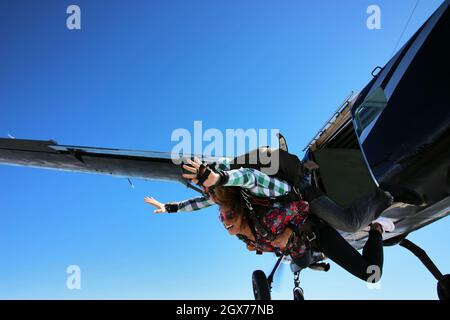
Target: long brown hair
point(229, 199)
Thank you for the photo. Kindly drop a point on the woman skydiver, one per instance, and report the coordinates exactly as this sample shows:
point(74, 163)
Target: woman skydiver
point(288, 227)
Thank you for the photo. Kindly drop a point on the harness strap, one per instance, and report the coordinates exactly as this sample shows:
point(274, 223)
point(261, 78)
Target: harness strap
point(308, 232)
point(293, 195)
point(259, 227)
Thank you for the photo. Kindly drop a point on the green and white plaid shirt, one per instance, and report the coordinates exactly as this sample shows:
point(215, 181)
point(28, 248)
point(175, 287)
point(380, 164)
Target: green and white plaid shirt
point(257, 183)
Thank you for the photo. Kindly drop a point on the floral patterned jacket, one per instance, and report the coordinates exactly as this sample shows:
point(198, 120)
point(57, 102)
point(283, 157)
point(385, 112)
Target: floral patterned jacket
point(276, 220)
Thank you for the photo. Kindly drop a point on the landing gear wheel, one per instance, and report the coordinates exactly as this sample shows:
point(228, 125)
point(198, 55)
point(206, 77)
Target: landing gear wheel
point(298, 294)
point(443, 288)
point(261, 288)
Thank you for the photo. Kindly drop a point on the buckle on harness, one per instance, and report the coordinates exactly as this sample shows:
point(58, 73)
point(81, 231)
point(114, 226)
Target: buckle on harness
point(312, 238)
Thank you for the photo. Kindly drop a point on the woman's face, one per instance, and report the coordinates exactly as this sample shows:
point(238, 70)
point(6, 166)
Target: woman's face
point(231, 222)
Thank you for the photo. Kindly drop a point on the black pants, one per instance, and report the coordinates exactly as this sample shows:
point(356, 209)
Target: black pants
point(367, 266)
point(354, 217)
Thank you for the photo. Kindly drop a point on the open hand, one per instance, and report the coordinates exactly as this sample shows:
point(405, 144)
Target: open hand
point(193, 167)
point(160, 207)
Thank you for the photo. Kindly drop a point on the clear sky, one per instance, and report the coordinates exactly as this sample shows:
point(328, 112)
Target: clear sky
point(136, 71)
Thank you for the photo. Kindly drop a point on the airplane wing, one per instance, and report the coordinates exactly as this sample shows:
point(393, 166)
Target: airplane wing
point(147, 165)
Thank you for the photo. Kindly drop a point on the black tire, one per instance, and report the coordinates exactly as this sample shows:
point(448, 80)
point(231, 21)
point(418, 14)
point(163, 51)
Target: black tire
point(298, 294)
point(261, 288)
point(443, 288)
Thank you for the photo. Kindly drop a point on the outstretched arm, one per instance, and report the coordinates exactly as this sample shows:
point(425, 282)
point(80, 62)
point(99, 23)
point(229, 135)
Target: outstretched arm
point(186, 205)
point(193, 204)
point(257, 182)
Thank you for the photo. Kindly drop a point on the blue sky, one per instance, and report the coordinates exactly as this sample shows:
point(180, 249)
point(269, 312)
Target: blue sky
point(136, 71)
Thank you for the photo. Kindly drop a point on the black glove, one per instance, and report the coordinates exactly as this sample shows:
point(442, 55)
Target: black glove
point(171, 207)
